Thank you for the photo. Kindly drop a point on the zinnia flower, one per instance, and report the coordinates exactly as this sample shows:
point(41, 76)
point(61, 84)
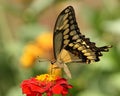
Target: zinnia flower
point(49, 84)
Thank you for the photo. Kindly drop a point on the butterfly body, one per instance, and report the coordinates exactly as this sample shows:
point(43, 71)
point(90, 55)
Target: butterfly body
point(70, 45)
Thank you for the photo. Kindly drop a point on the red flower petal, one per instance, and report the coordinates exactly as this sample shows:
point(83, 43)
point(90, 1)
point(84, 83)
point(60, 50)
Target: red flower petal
point(57, 89)
point(34, 87)
point(49, 93)
point(26, 90)
point(61, 86)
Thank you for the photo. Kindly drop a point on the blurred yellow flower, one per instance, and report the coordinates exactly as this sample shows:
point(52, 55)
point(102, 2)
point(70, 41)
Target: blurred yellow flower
point(45, 41)
point(41, 47)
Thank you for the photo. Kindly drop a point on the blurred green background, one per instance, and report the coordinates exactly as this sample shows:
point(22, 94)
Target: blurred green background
point(21, 21)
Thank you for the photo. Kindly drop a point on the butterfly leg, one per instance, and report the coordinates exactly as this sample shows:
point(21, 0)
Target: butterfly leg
point(60, 64)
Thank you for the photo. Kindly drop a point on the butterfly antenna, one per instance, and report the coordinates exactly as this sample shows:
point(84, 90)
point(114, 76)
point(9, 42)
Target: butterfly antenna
point(40, 59)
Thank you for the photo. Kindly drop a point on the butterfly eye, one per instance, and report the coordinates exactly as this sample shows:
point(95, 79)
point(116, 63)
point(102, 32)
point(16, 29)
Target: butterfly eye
point(52, 62)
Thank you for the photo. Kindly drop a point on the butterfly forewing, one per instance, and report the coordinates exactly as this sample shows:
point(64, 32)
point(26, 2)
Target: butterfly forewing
point(65, 22)
point(67, 36)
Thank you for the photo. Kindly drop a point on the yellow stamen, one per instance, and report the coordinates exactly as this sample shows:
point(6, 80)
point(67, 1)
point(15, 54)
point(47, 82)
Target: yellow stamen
point(46, 77)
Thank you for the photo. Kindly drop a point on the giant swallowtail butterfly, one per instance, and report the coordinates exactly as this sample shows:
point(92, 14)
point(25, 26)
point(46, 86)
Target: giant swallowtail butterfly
point(70, 45)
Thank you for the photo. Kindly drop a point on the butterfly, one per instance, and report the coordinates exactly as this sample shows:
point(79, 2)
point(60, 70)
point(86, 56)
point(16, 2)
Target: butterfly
point(70, 46)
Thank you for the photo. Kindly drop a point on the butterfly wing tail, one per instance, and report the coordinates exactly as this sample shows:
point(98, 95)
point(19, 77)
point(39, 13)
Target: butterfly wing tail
point(104, 48)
